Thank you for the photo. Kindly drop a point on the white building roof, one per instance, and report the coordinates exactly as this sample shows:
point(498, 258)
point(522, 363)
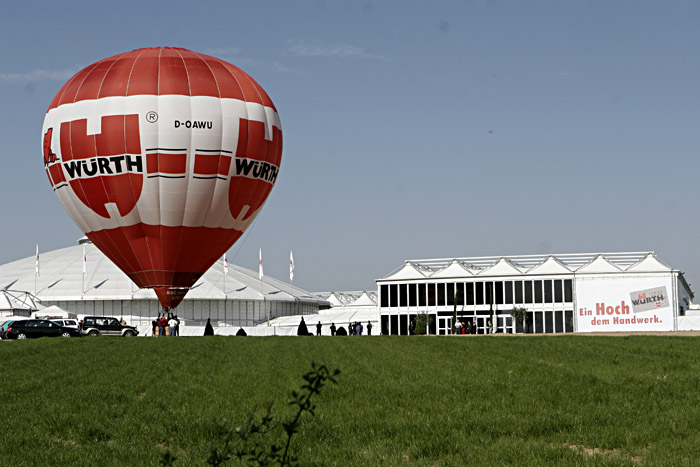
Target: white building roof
point(61, 278)
point(529, 265)
point(361, 298)
point(454, 269)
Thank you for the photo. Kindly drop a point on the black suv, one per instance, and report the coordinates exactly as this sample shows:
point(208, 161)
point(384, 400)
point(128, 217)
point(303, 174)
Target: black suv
point(30, 328)
point(106, 326)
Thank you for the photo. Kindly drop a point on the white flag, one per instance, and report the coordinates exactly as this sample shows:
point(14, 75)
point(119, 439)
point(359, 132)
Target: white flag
point(37, 259)
point(291, 266)
point(260, 269)
point(84, 261)
point(225, 266)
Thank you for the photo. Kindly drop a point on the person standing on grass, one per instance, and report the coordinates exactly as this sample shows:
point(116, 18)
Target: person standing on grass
point(332, 329)
point(173, 326)
point(154, 323)
point(458, 327)
point(318, 329)
point(412, 327)
point(359, 328)
point(162, 322)
point(369, 328)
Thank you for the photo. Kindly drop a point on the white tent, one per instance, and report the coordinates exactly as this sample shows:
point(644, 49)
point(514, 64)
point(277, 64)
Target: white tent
point(17, 303)
point(54, 312)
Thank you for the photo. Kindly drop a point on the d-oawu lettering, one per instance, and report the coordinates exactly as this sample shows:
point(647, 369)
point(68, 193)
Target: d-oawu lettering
point(206, 124)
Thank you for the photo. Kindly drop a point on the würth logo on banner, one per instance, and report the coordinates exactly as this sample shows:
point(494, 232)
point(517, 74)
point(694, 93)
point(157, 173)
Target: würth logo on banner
point(649, 299)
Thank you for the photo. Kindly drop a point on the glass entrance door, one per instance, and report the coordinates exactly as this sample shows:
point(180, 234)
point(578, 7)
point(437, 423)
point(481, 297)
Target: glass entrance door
point(481, 324)
point(444, 326)
point(504, 324)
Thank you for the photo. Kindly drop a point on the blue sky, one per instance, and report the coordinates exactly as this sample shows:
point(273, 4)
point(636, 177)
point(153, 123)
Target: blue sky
point(412, 129)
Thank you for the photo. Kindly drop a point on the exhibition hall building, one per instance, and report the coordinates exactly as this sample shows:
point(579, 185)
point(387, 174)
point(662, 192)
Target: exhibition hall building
point(600, 292)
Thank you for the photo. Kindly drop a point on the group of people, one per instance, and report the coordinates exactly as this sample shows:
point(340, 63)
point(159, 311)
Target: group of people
point(354, 329)
point(167, 324)
point(460, 327)
point(465, 328)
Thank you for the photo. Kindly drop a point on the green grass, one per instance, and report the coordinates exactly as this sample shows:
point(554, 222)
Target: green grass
point(479, 400)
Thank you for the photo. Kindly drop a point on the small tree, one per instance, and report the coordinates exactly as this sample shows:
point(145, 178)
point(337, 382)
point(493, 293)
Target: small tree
point(519, 314)
point(421, 323)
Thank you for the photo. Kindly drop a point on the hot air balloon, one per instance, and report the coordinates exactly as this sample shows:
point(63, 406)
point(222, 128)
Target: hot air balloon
point(163, 157)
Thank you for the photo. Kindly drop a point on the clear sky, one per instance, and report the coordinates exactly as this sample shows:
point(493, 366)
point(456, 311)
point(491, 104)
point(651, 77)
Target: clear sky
point(412, 129)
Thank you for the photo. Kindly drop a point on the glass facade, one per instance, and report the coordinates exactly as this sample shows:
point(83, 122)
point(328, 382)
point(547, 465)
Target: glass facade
point(485, 305)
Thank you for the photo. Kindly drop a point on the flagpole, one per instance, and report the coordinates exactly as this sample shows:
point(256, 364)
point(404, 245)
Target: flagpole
point(225, 295)
point(260, 276)
point(264, 304)
point(225, 273)
point(84, 270)
point(37, 267)
point(291, 267)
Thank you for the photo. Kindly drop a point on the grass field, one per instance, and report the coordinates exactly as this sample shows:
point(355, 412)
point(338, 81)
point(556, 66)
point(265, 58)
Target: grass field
point(478, 400)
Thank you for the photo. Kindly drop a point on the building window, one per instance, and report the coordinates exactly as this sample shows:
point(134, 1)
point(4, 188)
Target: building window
point(508, 292)
point(479, 286)
point(499, 293)
point(460, 293)
point(538, 291)
point(558, 292)
point(403, 295)
point(412, 295)
point(528, 291)
point(394, 322)
point(548, 322)
point(470, 293)
point(539, 324)
point(394, 295)
point(568, 295)
point(548, 291)
point(441, 294)
point(450, 294)
point(421, 295)
point(569, 321)
point(518, 292)
point(385, 295)
point(431, 294)
point(559, 320)
point(403, 325)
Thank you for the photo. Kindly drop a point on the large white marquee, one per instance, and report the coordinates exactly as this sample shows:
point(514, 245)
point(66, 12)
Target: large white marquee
point(236, 299)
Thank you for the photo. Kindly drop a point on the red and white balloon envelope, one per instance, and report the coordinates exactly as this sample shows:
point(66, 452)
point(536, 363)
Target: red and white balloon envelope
point(163, 157)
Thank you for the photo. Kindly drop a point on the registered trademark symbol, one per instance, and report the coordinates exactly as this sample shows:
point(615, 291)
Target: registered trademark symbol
point(152, 117)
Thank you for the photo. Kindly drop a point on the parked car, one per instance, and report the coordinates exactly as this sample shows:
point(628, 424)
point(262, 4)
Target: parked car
point(106, 326)
point(3, 327)
point(32, 328)
point(69, 323)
